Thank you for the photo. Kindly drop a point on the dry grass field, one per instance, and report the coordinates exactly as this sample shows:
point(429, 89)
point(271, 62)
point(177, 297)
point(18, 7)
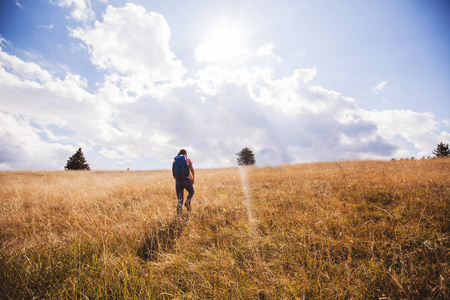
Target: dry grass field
point(347, 230)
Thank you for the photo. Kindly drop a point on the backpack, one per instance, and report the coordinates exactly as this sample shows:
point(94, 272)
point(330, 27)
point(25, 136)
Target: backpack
point(180, 168)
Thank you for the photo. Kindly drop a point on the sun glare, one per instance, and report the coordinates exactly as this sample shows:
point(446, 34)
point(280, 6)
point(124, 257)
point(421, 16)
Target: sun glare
point(224, 44)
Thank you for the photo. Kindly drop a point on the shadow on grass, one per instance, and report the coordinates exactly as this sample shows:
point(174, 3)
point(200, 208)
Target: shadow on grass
point(162, 239)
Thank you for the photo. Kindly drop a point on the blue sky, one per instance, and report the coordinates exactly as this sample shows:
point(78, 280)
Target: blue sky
point(132, 82)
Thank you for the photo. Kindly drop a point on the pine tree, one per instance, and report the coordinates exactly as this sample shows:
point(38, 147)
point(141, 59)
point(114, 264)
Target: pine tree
point(245, 157)
point(77, 162)
point(442, 150)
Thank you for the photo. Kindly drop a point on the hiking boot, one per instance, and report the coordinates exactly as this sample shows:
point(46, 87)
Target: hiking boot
point(188, 206)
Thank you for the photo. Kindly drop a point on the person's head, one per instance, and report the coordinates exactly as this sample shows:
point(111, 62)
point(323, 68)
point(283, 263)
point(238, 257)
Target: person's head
point(182, 152)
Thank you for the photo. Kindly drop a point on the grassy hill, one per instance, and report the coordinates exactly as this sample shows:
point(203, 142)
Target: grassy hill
point(361, 230)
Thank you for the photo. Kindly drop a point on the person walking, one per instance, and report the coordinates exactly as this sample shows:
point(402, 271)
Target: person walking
point(184, 175)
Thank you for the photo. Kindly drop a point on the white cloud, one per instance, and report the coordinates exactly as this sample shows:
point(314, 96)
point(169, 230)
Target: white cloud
point(139, 51)
point(22, 147)
point(111, 154)
point(26, 71)
point(81, 9)
point(215, 113)
point(42, 112)
point(267, 50)
point(420, 129)
point(379, 87)
point(227, 115)
point(46, 27)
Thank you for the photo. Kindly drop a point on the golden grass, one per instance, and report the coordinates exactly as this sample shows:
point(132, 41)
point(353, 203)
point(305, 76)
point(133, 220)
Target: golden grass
point(356, 229)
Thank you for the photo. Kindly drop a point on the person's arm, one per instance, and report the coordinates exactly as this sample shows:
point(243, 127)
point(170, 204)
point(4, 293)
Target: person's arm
point(192, 172)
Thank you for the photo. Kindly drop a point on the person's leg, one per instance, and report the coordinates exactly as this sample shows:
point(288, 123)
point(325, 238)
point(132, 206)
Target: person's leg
point(190, 188)
point(179, 187)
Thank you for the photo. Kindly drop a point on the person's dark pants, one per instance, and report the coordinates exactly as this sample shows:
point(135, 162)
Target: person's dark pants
point(180, 186)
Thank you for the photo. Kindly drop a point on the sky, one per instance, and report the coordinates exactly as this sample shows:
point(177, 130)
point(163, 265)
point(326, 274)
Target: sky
point(132, 82)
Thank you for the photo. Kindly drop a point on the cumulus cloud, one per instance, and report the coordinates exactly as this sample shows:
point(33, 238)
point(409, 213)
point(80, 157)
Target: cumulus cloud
point(267, 50)
point(43, 115)
point(133, 116)
point(22, 146)
point(284, 120)
point(134, 43)
point(420, 129)
point(81, 9)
